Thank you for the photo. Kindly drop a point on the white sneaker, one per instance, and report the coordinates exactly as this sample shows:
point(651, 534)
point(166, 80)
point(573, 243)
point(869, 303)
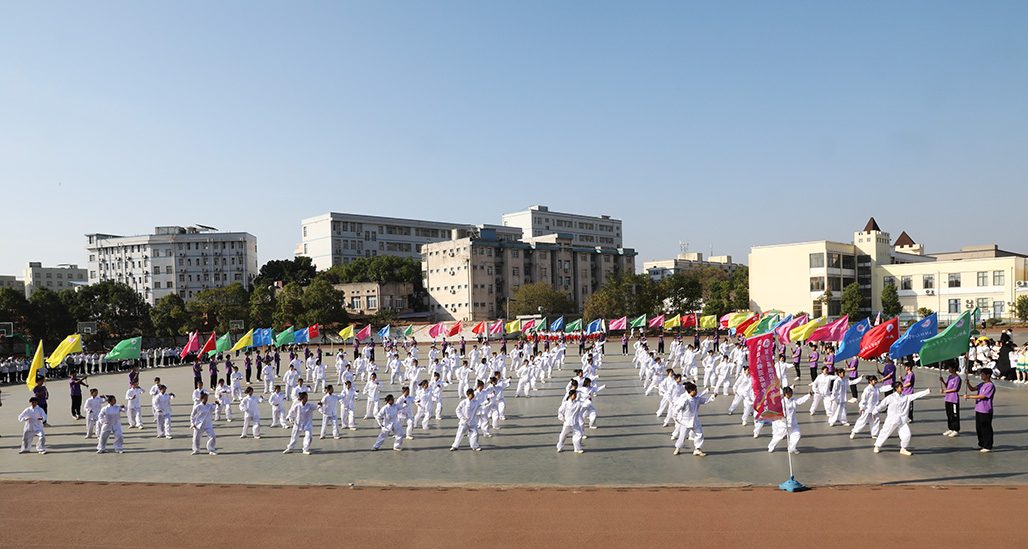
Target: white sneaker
point(306, 452)
point(678, 451)
point(853, 436)
point(905, 452)
point(954, 433)
point(985, 450)
point(877, 450)
point(946, 433)
point(212, 453)
point(287, 451)
point(698, 453)
point(794, 452)
point(576, 451)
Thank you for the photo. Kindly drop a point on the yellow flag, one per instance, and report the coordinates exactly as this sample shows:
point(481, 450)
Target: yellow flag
point(71, 344)
point(347, 332)
point(738, 318)
point(37, 365)
point(513, 326)
point(244, 342)
point(802, 333)
point(750, 329)
point(673, 322)
point(709, 321)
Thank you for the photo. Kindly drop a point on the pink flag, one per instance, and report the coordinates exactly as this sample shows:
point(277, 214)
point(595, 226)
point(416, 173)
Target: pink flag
point(725, 319)
point(657, 322)
point(365, 333)
point(618, 324)
point(435, 330)
point(767, 389)
point(835, 331)
point(192, 345)
point(496, 328)
point(783, 331)
point(527, 325)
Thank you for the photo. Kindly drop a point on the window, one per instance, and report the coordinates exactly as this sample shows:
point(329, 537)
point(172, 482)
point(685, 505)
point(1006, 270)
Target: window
point(998, 278)
point(157, 285)
point(983, 303)
point(305, 249)
point(907, 283)
point(305, 231)
point(983, 278)
point(997, 309)
point(817, 261)
point(817, 284)
point(954, 280)
point(515, 253)
point(542, 272)
point(372, 302)
point(888, 280)
point(515, 271)
point(355, 302)
point(834, 261)
point(928, 281)
point(848, 261)
point(816, 308)
point(399, 301)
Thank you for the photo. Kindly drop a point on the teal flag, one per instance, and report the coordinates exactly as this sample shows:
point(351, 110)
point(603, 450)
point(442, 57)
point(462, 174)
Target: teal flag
point(574, 326)
point(951, 343)
point(126, 350)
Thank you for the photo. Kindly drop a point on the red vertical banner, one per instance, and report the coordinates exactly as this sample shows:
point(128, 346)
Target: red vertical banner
point(767, 390)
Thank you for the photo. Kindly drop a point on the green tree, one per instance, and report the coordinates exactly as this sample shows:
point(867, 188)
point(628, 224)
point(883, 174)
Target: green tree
point(14, 308)
point(925, 312)
point(381, 269)
point(50, 318)
point(682, 293)
point(262, 306)
point(1021, 308)
point(289, 306)
point(322, 304)
point(170, 317)
point(528, 298)
point(624, 294)
point(118, 310)
point(891, 306)
point(214, 309)
point(300, 270)
point(852, 301)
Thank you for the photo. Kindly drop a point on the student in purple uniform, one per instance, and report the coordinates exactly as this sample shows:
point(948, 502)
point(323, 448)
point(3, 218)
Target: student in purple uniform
point(228, 368)
point(212, 368)
point(829, 359)
point(260, 365)
point(908, 387)
point(851, 367)
point(797, 357)
point(983, 409)
point(888, 373)
point(951, 392)
point(247, 365)
point(197, 373)
point(133, 376)
point(813, 358)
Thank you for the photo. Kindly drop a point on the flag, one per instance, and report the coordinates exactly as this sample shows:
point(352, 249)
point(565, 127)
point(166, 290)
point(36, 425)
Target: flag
point(736, 319)
point(513, 326)
point(286, 337)
point(312, 332)
point(37, 365)
point(834, 331)
point(619, 323)
point(639, 322)
point(723, 321)
point(409, 331)
point(656, 322)
point(782, 332)
point(594, 327)
point(527, 325)
point(540, 326)
point(384, 332)
point(689, 320)
point(365, 333)
point(779, 323)
point(212, 344)
point(557, 325)
point(746, 324)
point(347, 332)
point(301, 336)
point(709, 321)
point(911, 340)
point(244, 342)
point(192, 345)
point(71, 344)
point(751, 329)
point(496, 328)
point(951, 343)
point(223, 344)
point(263, 336)
point(851, 341)
point(878, 319)
point(877, 340)
point(128, 349)
point(479, 328)
point(804, 331)
point(764, 325)
point(767, 390)
point(456, 329)
point(574, 326)
point(673, 322)
point(435, 330)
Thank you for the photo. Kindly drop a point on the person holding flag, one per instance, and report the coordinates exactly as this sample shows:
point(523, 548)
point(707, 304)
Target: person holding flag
point(986, 390)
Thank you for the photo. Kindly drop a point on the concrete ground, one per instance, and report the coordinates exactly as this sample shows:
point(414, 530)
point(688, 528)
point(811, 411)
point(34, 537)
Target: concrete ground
point(630, 448)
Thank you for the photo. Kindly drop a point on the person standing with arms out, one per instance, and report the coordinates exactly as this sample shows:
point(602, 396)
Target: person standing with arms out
point(898, 406)
point(983, 408)
point(389, 421)
point(76, 383)
point(33, 417)
point(201, 421)
point(951, 392)
point(301, 415)
point(467, 417)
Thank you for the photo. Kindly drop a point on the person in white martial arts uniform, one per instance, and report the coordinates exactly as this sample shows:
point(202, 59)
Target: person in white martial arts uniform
point(708, 367)
point(499, 407)
point(687, 418)
point(110, 424)
point(524, 379)
point(93, 405)
point(423, 401)
point(347, 405)
point(589, 390)
point(290, 379)
point(251, 412)
point(743, 388)
point(301, 416)
point(223, 401)
point(371, 389)
point(329, 407)
point(868, 406)
point(268, 376)
point(201, 421)
point(33, 417)
point(723, 375)
point(570, 414)
point(467, 422)
point(341, 368)
point(820, 387)
point(405, 412)
point(675, 390)
point(388, 418)
point(278, 412)
point(301, 387)
point(236, 384)
point(898, 407)
point(153, 392)
point(838, 393)
point(162, 406)
point(134, 405)
point(787, 426)
point(319, 375)
point(435, 391)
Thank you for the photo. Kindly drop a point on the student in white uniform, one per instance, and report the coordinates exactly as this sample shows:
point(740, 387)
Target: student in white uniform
point(837, 396)
point(898, 407)
point(33, 417)
point(708, 367)
point(743, 388)
point(278, 412)
point(250, 406)
point(319, 375)
point(236, 384)
point(223, 401)
point(201, 421)
point(388, 418)
point(301, 415)
point(467, 418)
point(134, 406)
point(268, 376)
point(405, 412)
point(329, 407)
point(820, 387)
point(868, 406)
point(110, 423)
point(347, 404)
point(291, 378)
point(787, 426)
point(93, 405)
point(162, 406)
point(589, 391)
point(199, 391)
point(153, 392)
point(687, 418)
point(371, 389)
point(570, 414)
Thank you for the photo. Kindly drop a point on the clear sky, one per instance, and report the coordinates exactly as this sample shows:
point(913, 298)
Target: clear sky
point(724, 124)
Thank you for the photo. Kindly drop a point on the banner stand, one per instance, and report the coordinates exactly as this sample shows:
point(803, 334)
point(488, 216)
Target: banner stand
point(791, 485)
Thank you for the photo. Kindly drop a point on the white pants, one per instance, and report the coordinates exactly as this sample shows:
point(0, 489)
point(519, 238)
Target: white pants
point(469, 428)
point(269, 385)
point(695, 434)
point(706, 376)
point(319, 381)
point(226, 407)
point(837, 411)
point(237, 392)
point(864, 419)
point(330, 420)
point(394, 375)
point(247, 419)
point(779, 431)
point(135, 416)
point(278, 416)
point(422, 414)
point(92, 428)
point(523, 385)
point(105, 433)
point(163, 424)
point(197, 435)
point(372, 409)
point(747, 409)
point(348, 416)
point(296, 435)
point(395, 430)
point(576, 437)
point(26, 440)
point(891, 425)
point(589, 412)
point(814, 401)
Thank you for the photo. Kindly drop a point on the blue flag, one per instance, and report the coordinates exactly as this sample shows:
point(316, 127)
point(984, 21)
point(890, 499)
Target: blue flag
point(263, 336)
point(301, 336)
point(851, 341)
point(384, 332)
point(557, 325)
point(911, 340)
point(594, 327)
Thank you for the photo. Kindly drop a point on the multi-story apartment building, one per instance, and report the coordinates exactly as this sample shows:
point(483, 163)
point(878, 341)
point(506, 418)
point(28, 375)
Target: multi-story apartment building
point(339, 238)
point(182, 260)
point(9, 281)
point(61, 277)
point(662, 268)
point(583, 230)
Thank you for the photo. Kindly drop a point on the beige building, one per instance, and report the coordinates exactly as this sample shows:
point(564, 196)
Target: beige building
point(367, 298)
point(9, 281)
point(472, 276)
point(61, 277)
point(663, 268)
point(582, 230)
point(795, 277)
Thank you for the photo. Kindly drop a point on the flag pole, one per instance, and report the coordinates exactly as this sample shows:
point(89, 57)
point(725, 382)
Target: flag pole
point(791, 485)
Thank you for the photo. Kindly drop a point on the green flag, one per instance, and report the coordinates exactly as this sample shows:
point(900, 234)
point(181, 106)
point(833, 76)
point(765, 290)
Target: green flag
point(765, 324)
point(223, 344)
point(638, 322)
point(409, 331)
point(285, 337)
point(951, 343)
point(539, 326)
point(126, 350)
point(574, 326)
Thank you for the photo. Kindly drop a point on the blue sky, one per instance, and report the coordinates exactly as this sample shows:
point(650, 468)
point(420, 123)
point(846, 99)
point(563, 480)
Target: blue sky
point(724, 124)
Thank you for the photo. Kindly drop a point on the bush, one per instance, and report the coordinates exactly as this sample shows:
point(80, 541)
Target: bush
point(991, 322)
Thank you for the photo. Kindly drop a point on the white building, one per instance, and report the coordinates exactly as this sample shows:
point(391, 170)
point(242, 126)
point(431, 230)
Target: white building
point(9, 281)
point(663, 268)
point(584, 230)
point(182, 260)
point(339, 238)
point(61, 277)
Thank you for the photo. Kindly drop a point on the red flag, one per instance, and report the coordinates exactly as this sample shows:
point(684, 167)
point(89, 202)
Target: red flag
point(767, 390)
point(365, 333)
point(496, 328)
point(192, 345)
point(746, 324)
point(312, 332)
point(455, 329)
point(479, 328)
point(877, 340)
point(725, 319)
point(211, 345)
point(527, 325)
point(689, 320)
point(435, 330)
